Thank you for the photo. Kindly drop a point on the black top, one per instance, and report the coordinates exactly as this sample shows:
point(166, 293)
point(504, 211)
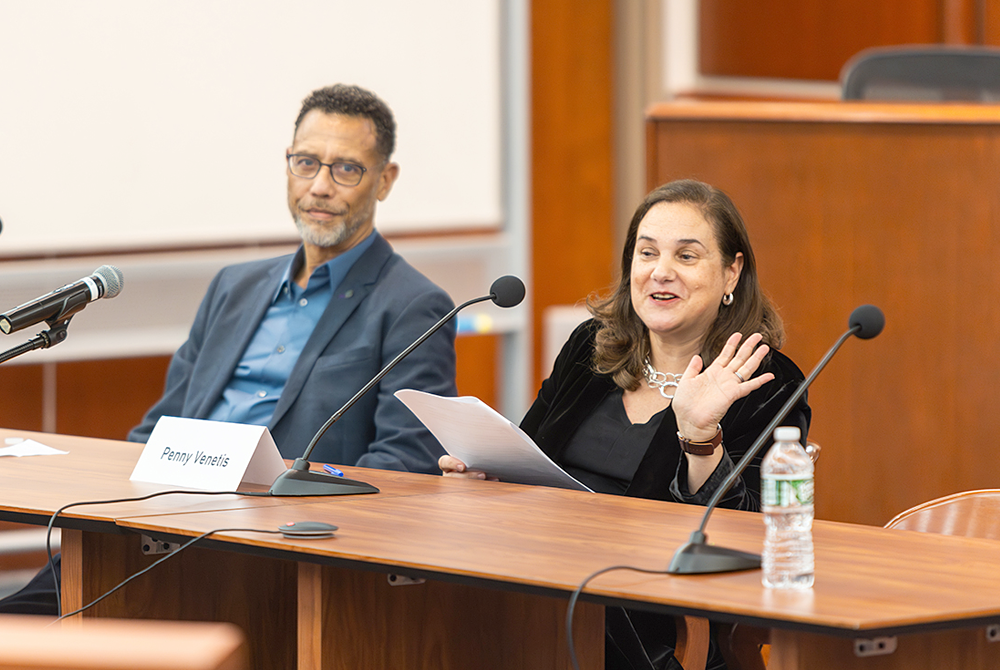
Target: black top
point(607, 449)
point(573, 392)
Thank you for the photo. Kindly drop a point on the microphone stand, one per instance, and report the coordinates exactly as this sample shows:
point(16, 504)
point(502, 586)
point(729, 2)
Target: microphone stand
point(299, 480)
point(697, 556)
point(47, 338)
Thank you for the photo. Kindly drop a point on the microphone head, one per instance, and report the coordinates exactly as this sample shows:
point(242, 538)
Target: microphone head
point(507, 291)
point(869, 320)
point(112, 279)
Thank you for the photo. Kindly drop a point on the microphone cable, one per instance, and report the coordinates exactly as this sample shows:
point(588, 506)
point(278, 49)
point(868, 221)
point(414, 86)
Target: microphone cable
point(48, 535)
point(576, 596)
point(156, 563)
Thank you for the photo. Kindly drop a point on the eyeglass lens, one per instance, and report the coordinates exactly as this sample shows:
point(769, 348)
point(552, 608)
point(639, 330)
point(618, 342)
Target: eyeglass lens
point(345, 174)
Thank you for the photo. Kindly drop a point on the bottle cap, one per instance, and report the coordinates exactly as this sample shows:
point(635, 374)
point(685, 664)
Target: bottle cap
point(787, 434)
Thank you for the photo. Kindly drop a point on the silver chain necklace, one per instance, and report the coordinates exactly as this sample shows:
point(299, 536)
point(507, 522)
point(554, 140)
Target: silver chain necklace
point(659, 380)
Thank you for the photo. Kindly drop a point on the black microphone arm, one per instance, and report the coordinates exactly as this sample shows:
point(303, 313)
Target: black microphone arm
point(697, 556)
point(299, 480)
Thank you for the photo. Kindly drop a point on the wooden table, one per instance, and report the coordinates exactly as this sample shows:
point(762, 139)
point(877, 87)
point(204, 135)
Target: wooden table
point(499, 561)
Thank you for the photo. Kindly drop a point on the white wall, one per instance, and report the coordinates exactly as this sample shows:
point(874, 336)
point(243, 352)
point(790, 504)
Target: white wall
point(110, 108)
point(129, 124)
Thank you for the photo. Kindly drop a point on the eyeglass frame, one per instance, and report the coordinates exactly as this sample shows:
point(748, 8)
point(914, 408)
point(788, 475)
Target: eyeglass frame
point(290, 156)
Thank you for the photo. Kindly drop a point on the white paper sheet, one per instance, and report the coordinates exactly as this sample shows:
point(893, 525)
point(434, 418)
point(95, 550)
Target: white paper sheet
point(30, 448)
point(483, 439)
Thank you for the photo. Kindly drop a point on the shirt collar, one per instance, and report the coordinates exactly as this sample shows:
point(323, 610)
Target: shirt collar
point(335, 269)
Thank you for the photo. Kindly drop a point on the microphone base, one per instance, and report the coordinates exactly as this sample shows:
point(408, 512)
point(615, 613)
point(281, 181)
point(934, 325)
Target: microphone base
point(697, 557)
point(298, 480)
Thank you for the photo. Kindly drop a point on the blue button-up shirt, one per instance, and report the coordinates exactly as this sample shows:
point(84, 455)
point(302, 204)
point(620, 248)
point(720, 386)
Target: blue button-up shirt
point(257, 382)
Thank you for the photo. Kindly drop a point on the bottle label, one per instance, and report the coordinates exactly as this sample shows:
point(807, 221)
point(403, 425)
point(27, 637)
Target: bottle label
point(784, 491)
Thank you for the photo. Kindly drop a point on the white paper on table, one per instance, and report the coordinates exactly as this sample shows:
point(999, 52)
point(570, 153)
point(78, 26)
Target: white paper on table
point(483, 439)
point(30, 448)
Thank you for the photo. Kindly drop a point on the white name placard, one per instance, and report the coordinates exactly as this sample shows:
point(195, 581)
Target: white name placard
point(208, 455)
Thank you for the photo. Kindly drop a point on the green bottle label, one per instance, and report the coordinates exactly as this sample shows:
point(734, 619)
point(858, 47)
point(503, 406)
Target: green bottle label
point(782, 491)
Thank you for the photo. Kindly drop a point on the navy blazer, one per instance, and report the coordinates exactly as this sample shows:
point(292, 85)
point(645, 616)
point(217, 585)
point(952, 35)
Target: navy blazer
point(381, 307)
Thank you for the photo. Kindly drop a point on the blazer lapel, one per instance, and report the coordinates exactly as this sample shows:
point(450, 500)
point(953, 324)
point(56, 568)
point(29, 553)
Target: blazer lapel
point(355, 287)
point(241, 319)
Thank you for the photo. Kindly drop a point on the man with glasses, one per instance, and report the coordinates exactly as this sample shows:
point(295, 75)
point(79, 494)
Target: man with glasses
point(286, 342)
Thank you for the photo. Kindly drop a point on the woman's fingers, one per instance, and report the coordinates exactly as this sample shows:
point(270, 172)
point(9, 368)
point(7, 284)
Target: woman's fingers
point(751, 385)
point(693, 368)
point(729, 350)
point(749, 357)
point(704, 396)
point(453, 467)
point(745, 360)
point(450, 464)
point(746, 350)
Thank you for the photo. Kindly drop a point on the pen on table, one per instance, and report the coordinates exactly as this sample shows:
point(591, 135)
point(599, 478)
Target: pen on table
point(332, 470)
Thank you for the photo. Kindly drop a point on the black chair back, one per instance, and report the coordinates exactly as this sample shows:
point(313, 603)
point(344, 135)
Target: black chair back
point(924, 73)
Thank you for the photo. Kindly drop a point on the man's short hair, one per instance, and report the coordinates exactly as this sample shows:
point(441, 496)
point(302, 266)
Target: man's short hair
point(352, 100)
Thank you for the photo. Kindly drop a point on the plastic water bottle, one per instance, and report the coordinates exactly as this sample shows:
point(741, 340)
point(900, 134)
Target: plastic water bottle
point(787, 497)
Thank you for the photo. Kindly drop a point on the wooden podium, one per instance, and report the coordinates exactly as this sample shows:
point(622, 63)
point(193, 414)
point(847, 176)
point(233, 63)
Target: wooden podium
point(445, 573)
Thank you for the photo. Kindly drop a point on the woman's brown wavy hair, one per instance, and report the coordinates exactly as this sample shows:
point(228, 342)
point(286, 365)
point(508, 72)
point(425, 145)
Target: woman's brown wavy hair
point(622, 343)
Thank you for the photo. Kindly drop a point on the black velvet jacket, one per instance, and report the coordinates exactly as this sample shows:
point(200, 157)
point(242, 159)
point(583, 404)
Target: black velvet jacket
point(573, 391)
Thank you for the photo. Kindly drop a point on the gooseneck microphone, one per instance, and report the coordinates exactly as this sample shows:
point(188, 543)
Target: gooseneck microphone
point(64, 302)
point(299, 480)
point(697, 556)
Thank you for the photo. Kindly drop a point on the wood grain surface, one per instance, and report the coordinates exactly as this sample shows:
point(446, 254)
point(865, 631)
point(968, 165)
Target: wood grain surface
point(812, 39)
point(494, 555)
point(867, 578)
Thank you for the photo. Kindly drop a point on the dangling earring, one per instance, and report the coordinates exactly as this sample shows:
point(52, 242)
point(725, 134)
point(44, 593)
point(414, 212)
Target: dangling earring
point(727, 299)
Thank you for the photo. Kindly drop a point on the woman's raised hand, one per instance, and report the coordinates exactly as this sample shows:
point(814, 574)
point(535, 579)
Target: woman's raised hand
point(704, 396)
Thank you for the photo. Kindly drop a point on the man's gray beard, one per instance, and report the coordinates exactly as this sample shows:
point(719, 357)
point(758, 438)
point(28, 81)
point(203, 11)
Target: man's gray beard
point(330, 237)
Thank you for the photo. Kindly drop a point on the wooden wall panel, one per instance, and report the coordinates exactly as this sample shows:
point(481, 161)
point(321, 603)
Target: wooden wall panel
point(990, 30)
point(811, 39)
point(21, 396)
point(962, 22)
point(572, 177)
point(901, 215)
point(476, 373)
point(107, 398)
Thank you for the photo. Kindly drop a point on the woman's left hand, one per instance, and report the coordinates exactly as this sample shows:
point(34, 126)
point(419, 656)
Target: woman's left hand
point(704, 396)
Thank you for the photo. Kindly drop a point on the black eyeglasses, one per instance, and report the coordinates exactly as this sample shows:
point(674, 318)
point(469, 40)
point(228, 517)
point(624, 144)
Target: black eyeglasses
point(307, 167)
